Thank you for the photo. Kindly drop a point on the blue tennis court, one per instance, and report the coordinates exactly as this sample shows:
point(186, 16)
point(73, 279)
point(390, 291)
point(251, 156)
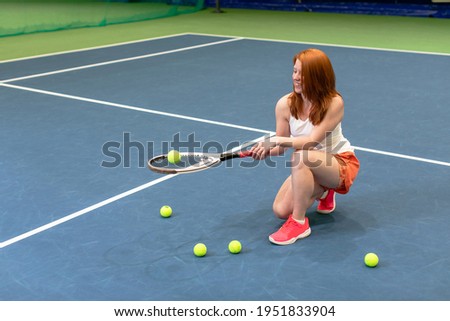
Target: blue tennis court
point(80, 211)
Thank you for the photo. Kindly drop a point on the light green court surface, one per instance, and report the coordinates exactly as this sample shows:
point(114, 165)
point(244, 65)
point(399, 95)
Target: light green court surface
point(388, 32)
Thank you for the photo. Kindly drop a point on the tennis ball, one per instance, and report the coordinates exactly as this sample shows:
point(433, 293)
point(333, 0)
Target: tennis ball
point(200, 249)
point(173, 157)
point(371, 259)
point(235, 247)
point(165, 211)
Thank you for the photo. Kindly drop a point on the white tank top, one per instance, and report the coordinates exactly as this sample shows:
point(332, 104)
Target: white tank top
point(334, 143)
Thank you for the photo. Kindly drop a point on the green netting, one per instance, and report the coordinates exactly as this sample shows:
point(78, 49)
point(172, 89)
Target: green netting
point(28, 16)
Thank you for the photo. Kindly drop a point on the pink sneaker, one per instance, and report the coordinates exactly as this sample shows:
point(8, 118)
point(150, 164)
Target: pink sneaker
point(327, 203)
point(290, 232)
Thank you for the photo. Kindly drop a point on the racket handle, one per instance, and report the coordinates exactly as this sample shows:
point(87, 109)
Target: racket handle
point(240, 154)
point(245, 153)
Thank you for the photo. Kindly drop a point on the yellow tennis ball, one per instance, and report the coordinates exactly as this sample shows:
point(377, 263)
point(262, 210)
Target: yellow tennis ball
point(235, 247)
point(200, 249)
point(371, 259)
point(173, 157)
point(165, 211)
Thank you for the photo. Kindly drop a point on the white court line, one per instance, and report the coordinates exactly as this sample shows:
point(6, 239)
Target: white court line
point(83, 211)
point(140, 109)
point(229, 36)
point(95, 48)
point(332, 45)
point(207, 121)
point(120, 60)
point(419, 159)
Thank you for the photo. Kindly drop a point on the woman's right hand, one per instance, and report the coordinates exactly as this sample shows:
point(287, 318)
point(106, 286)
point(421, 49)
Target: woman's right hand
point(260, 151)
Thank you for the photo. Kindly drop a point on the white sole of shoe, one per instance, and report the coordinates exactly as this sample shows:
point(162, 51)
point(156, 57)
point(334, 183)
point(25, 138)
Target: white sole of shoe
point(326, 211)
point(301, 236)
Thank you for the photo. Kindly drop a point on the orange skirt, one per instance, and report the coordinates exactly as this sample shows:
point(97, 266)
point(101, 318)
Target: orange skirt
point(348, 170)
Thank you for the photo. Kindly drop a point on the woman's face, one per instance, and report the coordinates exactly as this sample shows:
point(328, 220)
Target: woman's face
point(297, 77)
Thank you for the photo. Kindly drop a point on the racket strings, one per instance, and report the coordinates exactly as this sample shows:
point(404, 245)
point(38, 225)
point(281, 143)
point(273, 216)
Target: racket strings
point(187, 162)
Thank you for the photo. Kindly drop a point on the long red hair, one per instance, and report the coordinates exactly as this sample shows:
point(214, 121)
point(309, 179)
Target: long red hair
point(318, 85)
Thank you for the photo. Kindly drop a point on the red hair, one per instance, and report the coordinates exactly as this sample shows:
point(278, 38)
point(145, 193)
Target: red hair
point(318, 85)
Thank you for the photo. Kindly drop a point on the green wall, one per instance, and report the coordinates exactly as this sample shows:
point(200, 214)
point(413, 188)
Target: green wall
point(405, 33)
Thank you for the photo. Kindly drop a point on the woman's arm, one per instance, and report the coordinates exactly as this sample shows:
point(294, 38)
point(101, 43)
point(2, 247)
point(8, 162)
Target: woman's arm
point(282, 114)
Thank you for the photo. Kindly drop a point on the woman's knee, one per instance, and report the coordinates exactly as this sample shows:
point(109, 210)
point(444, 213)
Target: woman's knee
point(280, 210)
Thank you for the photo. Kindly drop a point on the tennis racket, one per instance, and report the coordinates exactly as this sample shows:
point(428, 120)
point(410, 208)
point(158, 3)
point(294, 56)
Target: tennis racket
point(197, 161)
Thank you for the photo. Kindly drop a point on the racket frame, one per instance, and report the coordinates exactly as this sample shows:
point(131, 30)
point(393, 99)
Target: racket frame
point(213, 159)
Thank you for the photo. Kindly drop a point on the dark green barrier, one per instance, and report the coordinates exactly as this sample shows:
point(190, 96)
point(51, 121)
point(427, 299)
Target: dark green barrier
point(28, 16)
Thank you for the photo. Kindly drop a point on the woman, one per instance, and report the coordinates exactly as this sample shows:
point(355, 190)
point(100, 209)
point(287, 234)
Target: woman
point(323, 162)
